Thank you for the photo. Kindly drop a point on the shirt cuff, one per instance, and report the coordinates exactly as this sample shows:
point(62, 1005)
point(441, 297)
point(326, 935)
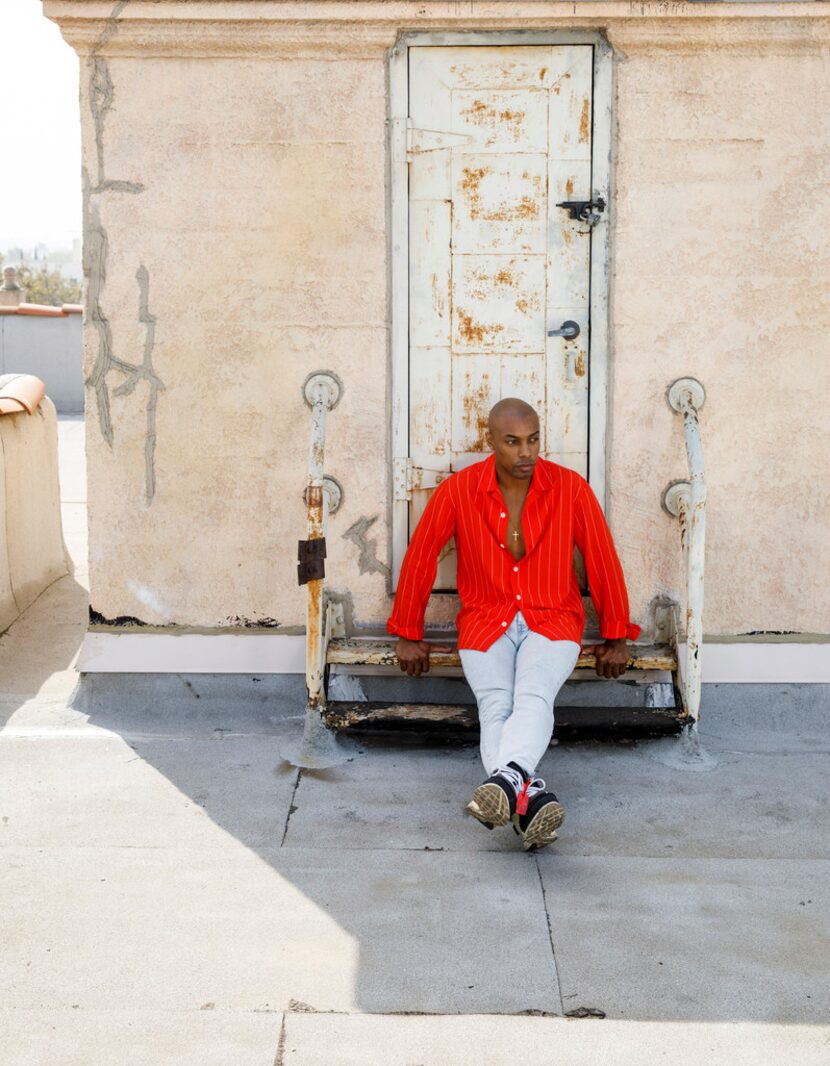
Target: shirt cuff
point(619, 630)
point(404, 631)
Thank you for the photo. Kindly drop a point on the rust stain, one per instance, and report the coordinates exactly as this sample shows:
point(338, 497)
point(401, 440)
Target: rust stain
point(542, 73)
point(569, 187)
point(584, 120)
point(438, 305)
point(504, 277)
point(579, 365)
point(471, 187)
point(483, 114)
point(526, 305)
point(559, 82)
point(475, 332)
point(527, 207)
point(475, 407)
point(566, 236)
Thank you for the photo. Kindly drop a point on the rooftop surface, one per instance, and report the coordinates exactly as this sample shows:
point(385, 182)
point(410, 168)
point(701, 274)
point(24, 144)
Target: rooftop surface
point(175, 893)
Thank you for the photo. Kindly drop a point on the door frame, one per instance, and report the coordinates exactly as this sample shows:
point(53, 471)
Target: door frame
point(600, 273)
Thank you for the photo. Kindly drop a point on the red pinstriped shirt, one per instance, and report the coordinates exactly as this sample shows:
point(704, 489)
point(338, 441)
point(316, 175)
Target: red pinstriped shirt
point(560, 509)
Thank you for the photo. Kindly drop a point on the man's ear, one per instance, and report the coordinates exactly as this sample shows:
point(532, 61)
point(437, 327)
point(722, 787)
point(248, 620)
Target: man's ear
point(488, 439)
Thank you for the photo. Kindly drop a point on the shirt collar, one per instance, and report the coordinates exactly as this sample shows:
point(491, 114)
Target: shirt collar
point(542, 479)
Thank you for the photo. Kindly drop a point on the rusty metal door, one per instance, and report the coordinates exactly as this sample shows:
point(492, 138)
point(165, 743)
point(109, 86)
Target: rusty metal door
point(497, 138)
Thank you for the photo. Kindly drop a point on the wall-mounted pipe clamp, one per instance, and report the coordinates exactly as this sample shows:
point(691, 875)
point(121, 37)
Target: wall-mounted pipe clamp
point(322, 385)
point(683, 391)
point(334, 493)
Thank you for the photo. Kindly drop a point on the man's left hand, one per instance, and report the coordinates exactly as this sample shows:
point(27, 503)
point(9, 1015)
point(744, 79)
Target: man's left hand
point(612, 657)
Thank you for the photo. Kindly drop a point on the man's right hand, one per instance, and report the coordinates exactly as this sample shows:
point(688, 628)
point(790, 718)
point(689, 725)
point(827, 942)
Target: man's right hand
point(413, 655)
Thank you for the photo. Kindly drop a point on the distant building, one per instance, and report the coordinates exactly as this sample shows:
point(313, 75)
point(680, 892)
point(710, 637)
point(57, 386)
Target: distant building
point(65, 261)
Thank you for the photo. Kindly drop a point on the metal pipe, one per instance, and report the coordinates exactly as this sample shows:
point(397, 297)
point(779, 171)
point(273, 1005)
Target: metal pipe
point(319, 747)
point(686, 395)
point(316, 530)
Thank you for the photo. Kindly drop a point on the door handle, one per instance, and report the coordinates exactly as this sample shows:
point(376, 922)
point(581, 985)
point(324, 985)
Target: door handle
point(569, 329)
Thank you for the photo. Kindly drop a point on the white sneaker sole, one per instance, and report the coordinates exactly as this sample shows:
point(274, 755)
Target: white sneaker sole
point(542, 828)
point(489, 805)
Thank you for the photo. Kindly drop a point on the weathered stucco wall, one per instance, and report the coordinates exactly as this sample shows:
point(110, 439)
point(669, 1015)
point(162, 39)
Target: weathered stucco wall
point(32, 552)
point(237, 239)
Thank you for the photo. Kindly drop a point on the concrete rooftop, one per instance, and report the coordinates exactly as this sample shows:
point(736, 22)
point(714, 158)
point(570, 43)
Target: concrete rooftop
point(174, 893)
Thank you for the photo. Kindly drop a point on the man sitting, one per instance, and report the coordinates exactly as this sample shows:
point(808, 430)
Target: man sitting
point(515, 518)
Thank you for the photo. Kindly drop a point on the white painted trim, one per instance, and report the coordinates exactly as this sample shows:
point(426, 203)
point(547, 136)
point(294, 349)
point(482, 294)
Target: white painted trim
point(256, 653)
point(191, 653)
point(598, 435)
point(599, 406)
point(399, 333)
point(749, 663)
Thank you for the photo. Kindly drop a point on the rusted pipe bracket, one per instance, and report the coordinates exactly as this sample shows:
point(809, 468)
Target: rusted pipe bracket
point(333, 489)
point(683, 390)
point(673, 495)
point(330, 382)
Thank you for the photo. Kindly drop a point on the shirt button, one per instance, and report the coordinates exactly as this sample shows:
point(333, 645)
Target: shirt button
point(515, 569)
point(504, 623)
point(501, 545)
point(518, 597)
point(503, 515)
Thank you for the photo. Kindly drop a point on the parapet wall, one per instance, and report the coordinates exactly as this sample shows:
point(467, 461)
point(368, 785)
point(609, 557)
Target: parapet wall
point(32, 553)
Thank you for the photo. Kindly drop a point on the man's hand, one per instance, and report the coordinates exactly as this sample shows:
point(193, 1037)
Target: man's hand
point(611, 657)
point(413, 655)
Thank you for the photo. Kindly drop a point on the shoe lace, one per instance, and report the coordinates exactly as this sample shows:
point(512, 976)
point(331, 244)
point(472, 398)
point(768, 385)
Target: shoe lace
point(513, 776)
point(532, 787)
point(524, 789)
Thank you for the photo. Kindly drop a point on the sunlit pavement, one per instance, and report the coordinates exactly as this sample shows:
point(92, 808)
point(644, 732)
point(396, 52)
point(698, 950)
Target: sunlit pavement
point(175, 893)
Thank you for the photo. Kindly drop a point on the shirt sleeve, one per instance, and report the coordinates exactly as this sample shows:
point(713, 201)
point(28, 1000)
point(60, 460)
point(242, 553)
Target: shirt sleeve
point(420, 564)
point(602, 567)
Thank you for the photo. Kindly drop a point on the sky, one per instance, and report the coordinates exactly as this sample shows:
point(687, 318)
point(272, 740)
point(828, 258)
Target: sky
point(40, 148)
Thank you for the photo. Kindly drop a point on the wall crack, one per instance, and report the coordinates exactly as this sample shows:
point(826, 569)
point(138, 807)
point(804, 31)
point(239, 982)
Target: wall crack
point(96, 247)
point(367, 562)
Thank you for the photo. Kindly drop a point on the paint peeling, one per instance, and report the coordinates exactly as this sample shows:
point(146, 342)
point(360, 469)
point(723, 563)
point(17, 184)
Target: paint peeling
point(475, 332)
point(475, 407)
point(486, 115)
point(439, 304)
point(527, 207)
point(584, 120)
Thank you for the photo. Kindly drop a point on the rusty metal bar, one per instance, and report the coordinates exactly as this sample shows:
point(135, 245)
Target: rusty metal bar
point(319, 747)
point(687, 501)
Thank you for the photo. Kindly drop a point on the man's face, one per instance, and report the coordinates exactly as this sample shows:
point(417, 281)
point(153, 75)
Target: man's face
point(515, 440)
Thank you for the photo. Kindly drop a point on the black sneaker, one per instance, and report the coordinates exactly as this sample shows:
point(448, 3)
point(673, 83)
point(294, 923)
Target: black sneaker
point(537, 816)
point(494, 801)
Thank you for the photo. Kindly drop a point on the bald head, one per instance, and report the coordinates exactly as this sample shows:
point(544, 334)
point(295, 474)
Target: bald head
point(509, 409)
point(513, 434)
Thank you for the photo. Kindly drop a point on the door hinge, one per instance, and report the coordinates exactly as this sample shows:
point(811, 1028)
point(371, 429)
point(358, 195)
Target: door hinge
point(408, 477)
point(419, 141)
point(402, 478)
